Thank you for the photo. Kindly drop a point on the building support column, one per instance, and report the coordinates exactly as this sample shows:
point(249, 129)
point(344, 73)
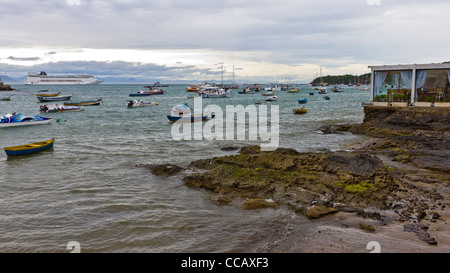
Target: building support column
point(372, 84)
point(413, 86)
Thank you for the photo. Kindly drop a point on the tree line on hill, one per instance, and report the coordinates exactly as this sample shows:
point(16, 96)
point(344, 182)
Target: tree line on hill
point(344, 79)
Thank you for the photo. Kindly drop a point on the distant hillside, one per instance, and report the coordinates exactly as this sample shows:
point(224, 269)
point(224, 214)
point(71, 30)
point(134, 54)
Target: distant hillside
point(344, 79)
point(9, 80)
point(5, 87)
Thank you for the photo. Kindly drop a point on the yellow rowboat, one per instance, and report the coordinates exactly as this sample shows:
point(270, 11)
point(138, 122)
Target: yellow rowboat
point(302, 110)
point(29, 148)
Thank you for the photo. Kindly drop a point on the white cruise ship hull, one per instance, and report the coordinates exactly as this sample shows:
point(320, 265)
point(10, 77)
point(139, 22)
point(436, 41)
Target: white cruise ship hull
point(44, 79)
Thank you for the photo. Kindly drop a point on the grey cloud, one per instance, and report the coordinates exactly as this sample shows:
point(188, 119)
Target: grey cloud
point(23, 58)
point(284, 31)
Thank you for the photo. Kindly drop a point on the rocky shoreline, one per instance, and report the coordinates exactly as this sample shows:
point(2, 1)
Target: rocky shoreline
point(400, 181)
point(5, 87)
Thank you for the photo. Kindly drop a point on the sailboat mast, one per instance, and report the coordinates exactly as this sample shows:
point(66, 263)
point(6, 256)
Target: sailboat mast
point(233, 74)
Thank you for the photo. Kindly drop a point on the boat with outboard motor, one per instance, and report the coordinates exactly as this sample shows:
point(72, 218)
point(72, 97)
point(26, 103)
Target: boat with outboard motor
point(210, 91)
point(13, 120)
point(54, 98)
point(59, 108)
point(84, 103)
point(140, 103)
point(184, 112)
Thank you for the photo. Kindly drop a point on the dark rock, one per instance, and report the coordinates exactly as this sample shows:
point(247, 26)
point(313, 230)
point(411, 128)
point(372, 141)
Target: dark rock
point(421, 231)
point(229, 148)
point(367, 228)
point(250, 149)
point(325, 129)
point(221, 200)
point(362, 164)
point(257, 203)
point(319, 211)
point(164, 169)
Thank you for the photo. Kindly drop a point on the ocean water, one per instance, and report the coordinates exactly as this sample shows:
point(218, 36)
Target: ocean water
point(89, 189)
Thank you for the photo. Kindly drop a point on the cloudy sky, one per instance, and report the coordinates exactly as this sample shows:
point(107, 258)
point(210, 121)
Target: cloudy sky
point(265, 40)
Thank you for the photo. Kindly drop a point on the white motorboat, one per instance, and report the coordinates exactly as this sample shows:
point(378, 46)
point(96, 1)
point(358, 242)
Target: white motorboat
point(13, 120)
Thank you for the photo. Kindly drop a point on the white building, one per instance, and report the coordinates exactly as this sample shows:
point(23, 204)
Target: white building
point(411, 85)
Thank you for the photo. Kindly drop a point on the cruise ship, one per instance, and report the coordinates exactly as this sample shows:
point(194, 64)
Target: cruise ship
point(44, 79)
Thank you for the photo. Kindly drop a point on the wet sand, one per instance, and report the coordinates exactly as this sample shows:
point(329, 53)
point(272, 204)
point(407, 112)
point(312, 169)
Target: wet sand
point(340, 233)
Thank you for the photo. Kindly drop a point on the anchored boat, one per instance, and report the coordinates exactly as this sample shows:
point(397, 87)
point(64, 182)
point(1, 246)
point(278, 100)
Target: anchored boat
point(54, 98)
point(29, 148)
point(184, 112)
point(84, 103)
point(13, 120)
point(59, 108)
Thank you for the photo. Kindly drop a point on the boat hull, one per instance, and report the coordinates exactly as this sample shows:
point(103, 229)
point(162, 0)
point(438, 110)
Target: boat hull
point(146, 94)
point(188, 118)
point(303, 101)
point(29, 148)
point(25, 123)
point(55, 98)
point(83, 103)
point(204, 95)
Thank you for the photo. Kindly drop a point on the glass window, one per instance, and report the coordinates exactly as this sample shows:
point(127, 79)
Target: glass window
point(433, 85)
point(393, 86)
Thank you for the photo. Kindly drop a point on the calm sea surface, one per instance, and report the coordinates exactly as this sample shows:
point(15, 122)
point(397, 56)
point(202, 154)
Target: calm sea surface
point(88, 188)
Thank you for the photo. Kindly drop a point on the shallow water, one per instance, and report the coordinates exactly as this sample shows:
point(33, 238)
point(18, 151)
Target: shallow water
point(88, 188)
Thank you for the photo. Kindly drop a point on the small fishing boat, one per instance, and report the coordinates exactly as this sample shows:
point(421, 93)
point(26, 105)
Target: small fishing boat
point(273, 98)
point(326, 97)
point(54, 98)
point(302, 101)
point(157, 84)
point(322, 90)
point(46, 93)
point(193, 88)
point(293, 90)
point(213, 92)
point(311, 93)
point(302, 110)
point(185, 113)
point(147, 93)
point(59, 108)
point(140, 103)
point(337, 89)
point(84, 103)
point(29, 148)
point(7, 98)
point(154, 90)
point(247, 90)
point(269, 93)
point(258, 102)
point(13, 120)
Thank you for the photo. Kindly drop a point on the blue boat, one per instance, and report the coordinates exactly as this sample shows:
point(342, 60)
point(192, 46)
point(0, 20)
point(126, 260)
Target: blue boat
point(302, 101)
point(188, 118)
point(326, 97)
point(311, 93)
point(185, 113)
point(29, 148)
point(12, 120)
